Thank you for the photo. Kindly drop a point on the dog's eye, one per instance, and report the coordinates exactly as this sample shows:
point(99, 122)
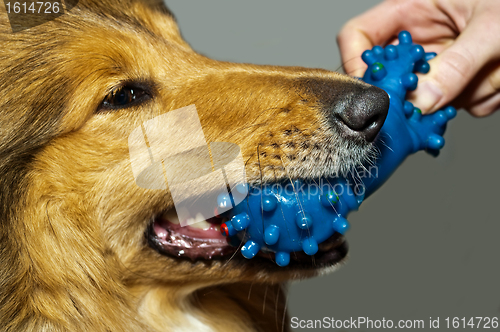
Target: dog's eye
point(124, 97)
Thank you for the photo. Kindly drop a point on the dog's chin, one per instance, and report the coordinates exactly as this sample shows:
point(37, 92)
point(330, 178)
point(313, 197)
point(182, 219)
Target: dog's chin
point(203, 241)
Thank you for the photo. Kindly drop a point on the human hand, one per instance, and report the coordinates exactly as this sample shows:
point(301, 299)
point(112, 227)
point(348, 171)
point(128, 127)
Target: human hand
point(464, 33)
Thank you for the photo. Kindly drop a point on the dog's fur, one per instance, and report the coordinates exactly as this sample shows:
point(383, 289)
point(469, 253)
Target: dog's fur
point(73, 251)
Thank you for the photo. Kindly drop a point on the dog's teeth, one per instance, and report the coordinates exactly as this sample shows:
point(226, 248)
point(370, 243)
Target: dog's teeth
point(199, 218)
point(201, 225)
point(200, 222)
point(197, 222)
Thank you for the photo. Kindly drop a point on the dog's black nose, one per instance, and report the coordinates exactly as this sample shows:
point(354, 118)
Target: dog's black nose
point(357, 109)
point(363, 111)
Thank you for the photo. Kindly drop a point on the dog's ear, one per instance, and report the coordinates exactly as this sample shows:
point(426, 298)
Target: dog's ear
point(151, 16)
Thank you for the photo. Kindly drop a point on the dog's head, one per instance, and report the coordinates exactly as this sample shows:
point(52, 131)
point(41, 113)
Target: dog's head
point(74, 89)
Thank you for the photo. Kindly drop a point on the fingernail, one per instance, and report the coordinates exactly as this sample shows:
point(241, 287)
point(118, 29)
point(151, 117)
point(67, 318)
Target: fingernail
point(427, 95)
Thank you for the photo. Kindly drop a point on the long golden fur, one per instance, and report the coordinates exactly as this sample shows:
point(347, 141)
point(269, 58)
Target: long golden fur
point(73, 251)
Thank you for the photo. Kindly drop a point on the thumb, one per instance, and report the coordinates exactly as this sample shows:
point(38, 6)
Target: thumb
point(453, 69)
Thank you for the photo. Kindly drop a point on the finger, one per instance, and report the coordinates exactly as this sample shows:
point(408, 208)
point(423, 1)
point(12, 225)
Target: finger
point(455, 68)
point(351, 51)
point(486, 107)
point(478, 97)
point(374, 27)
point(482, 96)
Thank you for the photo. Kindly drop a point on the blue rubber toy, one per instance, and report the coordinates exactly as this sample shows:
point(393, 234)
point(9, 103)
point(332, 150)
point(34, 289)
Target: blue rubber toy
point(273, 219)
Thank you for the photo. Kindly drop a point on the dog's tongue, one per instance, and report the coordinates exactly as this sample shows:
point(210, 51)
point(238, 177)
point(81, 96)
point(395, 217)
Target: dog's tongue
point(168, 226)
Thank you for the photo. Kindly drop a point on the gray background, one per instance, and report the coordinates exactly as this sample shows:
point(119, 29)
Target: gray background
point(425, 245)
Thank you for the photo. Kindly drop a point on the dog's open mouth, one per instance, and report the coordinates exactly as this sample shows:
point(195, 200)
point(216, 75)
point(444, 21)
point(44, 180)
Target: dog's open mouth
point(204, 241)
point(200, 240)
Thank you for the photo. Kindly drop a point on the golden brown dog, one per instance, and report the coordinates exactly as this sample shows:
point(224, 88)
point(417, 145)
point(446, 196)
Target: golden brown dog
point(76, 230)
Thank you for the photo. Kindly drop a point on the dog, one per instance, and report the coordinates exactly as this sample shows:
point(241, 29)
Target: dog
point(77, 232)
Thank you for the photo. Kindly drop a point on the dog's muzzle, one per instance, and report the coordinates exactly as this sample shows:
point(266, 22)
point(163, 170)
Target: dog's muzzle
point(299, 216)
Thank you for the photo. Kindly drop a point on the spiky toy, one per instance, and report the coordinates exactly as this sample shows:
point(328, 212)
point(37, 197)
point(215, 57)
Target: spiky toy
point(274, 219)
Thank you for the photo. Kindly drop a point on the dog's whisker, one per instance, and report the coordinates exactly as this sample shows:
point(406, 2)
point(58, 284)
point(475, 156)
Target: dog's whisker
point(236, 251)
point(276, 306)
point(357, 172)
point(345, 62)
point(265, 297)
point(261, 184)
point(287, 229)
point(283, 213)
point(285, 307)
point(319, 186)
point(246, 162)
point(244, 234)
point(383, 142)
point(386, 145)
point(295, 193)
point(331, 204)
point(250, 290)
